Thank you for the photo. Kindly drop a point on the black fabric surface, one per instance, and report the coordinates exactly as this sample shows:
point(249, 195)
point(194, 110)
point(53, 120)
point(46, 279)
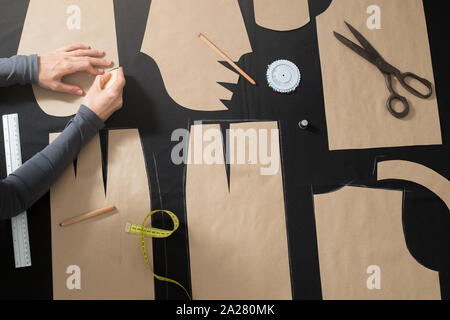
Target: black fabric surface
point(308, 166)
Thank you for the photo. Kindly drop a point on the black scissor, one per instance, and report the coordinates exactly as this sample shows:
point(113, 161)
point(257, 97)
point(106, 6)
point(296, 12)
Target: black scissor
point(369, 53)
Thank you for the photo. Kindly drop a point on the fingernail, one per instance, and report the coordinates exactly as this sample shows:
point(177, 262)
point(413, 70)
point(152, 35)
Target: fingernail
point(80, 92)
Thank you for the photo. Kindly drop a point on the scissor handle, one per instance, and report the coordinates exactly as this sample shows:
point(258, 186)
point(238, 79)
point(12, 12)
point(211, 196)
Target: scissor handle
point(393, 97)
point(403, 77)
point(404, 112)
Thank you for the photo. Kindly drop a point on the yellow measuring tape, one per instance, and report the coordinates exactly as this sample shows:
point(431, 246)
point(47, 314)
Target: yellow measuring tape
point(155, 233)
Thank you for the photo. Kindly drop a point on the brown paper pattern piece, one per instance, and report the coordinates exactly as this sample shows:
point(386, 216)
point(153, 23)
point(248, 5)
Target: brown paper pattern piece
point(417, 173)
point(189, 68)
point(237, 236)
point(111, 261)
point(281, 15)
point(361, 227)
point(355, 92)
point(46, 28)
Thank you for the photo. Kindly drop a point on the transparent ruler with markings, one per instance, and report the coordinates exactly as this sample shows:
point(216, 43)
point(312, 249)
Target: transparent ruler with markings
point(13, 154)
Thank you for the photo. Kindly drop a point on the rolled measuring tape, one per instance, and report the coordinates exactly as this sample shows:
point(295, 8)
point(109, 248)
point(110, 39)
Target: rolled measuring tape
point(151, 232)
point(283, 76)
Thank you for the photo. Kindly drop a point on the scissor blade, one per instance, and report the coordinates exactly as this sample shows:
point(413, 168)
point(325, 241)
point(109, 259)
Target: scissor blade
point(364, 42)
point(361, 51)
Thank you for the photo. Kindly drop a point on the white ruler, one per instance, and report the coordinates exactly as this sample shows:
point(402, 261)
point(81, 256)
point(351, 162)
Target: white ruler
point(13, 154)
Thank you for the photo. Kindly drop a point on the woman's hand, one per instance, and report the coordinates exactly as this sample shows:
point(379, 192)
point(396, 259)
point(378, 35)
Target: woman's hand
point(105, 101)
point(55, 65)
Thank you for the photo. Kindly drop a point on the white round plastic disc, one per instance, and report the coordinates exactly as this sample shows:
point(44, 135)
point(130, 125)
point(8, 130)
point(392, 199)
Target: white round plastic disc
point(283, 76)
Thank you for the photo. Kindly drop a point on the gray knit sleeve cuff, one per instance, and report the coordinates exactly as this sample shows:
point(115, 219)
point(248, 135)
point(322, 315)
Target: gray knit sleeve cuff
point(33, 62)
point(88, 115)
point(19, 70)
point(27, 69)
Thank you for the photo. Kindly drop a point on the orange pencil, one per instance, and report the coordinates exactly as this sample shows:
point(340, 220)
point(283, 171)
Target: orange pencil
point(86, 216)
point(227, 59)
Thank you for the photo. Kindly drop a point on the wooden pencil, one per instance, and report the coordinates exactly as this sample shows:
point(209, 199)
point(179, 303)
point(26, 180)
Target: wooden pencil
point(226, 58)
point(86, 216)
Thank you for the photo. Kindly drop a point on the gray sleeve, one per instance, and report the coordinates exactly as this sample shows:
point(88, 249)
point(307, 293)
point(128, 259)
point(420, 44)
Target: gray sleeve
point(19, 70)
point(32, 180)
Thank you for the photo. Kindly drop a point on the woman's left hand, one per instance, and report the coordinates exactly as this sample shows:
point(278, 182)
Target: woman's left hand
point(55, 65)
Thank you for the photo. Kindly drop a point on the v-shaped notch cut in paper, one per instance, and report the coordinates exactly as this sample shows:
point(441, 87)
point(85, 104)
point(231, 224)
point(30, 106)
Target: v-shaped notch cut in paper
point(237, 236)
point(110, 260)
point(189, 68)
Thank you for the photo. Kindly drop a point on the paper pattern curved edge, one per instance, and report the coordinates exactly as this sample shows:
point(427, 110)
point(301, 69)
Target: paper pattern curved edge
point(268, 14)
point(417, 173)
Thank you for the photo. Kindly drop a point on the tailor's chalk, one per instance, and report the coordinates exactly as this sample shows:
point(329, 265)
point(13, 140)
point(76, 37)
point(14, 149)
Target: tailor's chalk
point(113, 77)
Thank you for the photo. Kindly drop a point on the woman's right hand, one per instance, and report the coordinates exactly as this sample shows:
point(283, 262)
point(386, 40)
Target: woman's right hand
point(105, 101)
